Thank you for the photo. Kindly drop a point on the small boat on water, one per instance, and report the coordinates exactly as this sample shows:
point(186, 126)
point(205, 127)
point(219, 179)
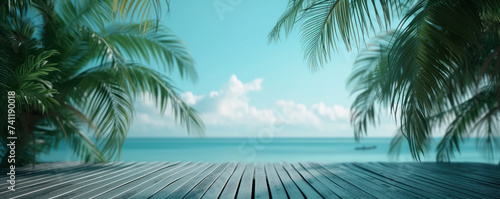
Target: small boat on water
point(366, 147)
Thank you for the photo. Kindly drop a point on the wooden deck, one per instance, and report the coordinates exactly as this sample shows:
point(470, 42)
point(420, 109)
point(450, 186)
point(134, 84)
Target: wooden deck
point(249, 180)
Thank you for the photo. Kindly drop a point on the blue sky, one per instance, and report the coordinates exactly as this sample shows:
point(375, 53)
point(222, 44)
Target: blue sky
point(247, 87)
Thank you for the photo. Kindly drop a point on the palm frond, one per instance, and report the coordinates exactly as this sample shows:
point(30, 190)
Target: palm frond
point(369, 82)
point(287, 21)
point(469, 117)
point(396, 144)
point(488, 138)
point(128, 8)
point(161, 46)
point(101, 49)
point(325, 23)
point(430, 77)
point(108, 106)
point(120, 41)
point(65, 126)
point(80, 143)
point(74, 14)
point(63, 91)
point(32, 90)
point(142, 80)
point(428, 51)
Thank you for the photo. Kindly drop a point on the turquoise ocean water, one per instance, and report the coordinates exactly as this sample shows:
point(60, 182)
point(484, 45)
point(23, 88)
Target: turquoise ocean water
point(266, 150)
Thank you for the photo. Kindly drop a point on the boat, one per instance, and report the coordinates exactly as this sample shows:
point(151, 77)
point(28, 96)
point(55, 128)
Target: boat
point(366, 147)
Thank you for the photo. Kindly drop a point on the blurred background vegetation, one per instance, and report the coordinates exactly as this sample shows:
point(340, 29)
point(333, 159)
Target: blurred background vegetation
point(77, 67)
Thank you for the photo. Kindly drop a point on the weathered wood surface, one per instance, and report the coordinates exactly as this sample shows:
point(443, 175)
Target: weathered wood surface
point(255, 180)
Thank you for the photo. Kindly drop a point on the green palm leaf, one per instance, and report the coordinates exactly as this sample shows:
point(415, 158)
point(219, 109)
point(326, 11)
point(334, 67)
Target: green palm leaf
point(160, 46)
point(469, 116)
point(108, 106)
point(428, 73)
point(128, 8)
point(140, 80)
point(89, 81)
point(325, 23)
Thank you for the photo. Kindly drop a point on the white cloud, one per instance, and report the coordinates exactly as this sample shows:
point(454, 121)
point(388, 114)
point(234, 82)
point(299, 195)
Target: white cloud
point(148, 120)
point(148, 114)
point(230, 105)
point(213, 93)
point(190, 98)
point(334, 113)
point(298, 113)
point(229, 112)
point(146, 99)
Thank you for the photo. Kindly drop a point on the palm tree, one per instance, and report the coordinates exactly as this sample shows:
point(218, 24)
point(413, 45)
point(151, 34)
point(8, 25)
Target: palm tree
point(438, 68)
point(76, 64)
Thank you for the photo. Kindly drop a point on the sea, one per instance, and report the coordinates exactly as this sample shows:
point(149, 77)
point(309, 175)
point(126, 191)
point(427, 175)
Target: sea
point(268, 150)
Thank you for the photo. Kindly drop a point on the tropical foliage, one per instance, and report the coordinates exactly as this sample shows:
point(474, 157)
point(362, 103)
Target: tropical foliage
point(77, 67)
point(437, 70)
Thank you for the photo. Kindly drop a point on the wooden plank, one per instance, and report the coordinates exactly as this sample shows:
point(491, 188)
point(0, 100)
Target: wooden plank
point(375, 190)
point(479, 169)
point(132, 180)
point(275, 185)
point(406, 178)
point(445, 168)
point(44, 190)
point(335, 188)
point(40, 166)
point(375, 182)
point(315, 183)
point(149, 189)
point(292, 190)
point(493, 169)
point(46, 179)
point(304, 186)
point(108, 186)
point(215, 190)
point(246, 184)
point(134, 187)
point(350, 188)
point(493, 173)
point(184, 189)
point(230, 180)
point(167, 190)
point(24, 174)
point(50, 173)
point(431, 178)
point(204, 185)
point(45, 167)
point(416, 191)
point(91, 189)
point(261, 191)
point(40, 189)
point(231, 188)
point(451, 181)
point(38, 176)
point(91, 180)
point(427, 180)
